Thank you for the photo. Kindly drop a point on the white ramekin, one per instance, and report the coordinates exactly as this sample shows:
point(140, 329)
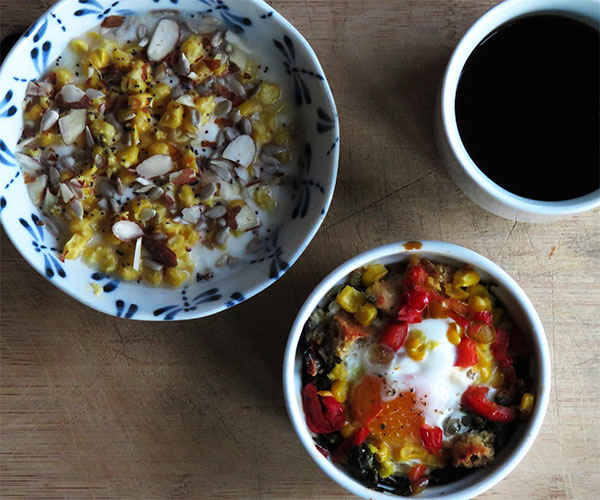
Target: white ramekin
point(518, 306)
point(473, 182)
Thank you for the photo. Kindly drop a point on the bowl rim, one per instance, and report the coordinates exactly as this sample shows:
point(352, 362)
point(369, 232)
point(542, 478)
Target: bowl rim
point(293, 257)
point(440, 249)
point(505, 11)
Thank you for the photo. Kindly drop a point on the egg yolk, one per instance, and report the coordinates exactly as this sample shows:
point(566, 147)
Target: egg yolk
point(399, 422)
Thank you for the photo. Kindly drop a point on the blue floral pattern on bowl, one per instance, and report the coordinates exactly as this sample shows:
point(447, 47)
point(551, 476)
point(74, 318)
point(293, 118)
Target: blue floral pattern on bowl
point(291, 62)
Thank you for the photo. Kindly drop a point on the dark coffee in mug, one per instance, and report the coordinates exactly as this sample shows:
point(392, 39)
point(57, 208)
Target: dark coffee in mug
point(528, 107)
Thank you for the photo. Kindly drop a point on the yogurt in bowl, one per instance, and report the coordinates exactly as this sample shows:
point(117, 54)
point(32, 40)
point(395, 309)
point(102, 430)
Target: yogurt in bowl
point(165, 148)
point(417, 369)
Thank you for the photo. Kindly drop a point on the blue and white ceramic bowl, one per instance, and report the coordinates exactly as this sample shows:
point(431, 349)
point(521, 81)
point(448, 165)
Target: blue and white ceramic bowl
point(294, 64)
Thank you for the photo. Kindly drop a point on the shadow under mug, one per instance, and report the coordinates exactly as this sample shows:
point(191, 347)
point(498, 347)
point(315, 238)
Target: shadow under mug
point(463, 170)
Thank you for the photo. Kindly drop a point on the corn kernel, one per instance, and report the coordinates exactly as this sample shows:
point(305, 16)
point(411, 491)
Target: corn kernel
point(206, 105)
point(478, 290)
point(173, 116)
point(63, 77)
point(325, 394)
point(152, 277)
point(135, 81)
point(193, 49)
point(478, 304)
point(160, 93)
point(347, 430)
point(175, 276)
point(34, 113)
point(80, 47)
point(139, 101)
point(128, 273)
point(47, 138)
point(526, 405)
point(201, 70)
point(269, 93)
point(128, 156)
point(339, 390)
point(411, 451)
point(74, 247)
point(465, 277)
point(350, 299)
point(121, 59)
point(455, 292)
point(383, 452)
point(416, 345)
point(142, 121)
point(187, 196)
point(262, 197)
point(338, 372)
point(99, 58)
point(373, 273)
point(454, 334)
point(103, 131)
point(94, 37)
point(260, 133)
point(249, 107)
point(387, 469)
point(366, 314)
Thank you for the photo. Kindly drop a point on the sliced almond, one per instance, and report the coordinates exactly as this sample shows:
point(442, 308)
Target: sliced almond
point(223, 173)
point(126, 230)
point(186, 100)
point(192, 214)
point(241, 150)
point(246, 219)
point(137, 254)
point(67, 162)
point(182, 65)
point(94, 94)
point(38, 89)
point(155, 166)
point(54, 176)
point(77, 208)
point(146, 214)
point(36, 188)
point(164, 40)
point(49, 201)
point(207, 192)
point(152, 264)
point(89, 138)
point(216, 212)
point(29, 164)
point(48, 120)
point(71, 93)
point(66, 192)
point(72, 125)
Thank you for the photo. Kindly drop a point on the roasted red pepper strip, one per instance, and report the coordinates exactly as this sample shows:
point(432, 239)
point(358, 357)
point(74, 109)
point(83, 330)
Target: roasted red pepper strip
point(415, 302)
point(415, 472)
point(394, 335)
point(458, 319)
point(408, 314)
point(466, 353)
point(500, 347)
point(484, 317)
point(361, 435)
point(416, 275)
point(474, 398)
point(432, 438)
point(323, 414)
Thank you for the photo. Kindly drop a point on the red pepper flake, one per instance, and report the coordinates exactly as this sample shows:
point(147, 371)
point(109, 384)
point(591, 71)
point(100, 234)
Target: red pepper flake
point(209, 144)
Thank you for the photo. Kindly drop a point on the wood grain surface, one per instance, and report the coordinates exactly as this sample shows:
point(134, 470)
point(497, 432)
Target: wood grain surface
point(97, 407)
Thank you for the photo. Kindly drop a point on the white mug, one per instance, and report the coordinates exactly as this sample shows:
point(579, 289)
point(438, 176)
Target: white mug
point(463, 170)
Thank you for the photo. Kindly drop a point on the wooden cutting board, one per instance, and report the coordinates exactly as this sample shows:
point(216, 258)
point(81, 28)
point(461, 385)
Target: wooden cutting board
point(97, 407)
